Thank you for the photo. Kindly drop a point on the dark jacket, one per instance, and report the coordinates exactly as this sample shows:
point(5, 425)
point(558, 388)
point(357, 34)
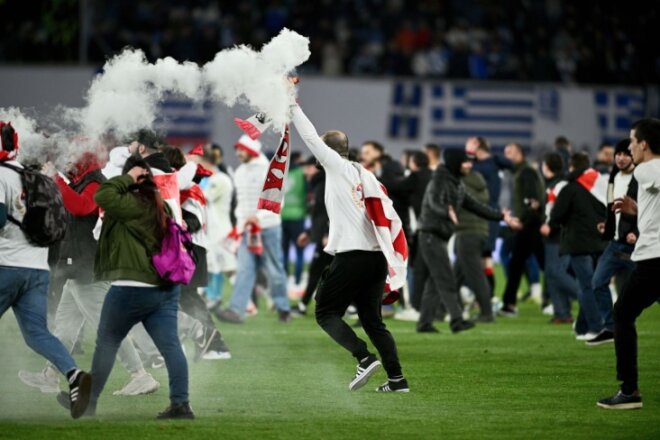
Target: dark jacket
point(78, 248)
point(414, 186)
point(444, 190)
point(318, 213)
point(490, 170)
point(469, 222)
point(390, 173)
point(160, 162)
point(528, 186)
point(627, 222)
point(578, 213)
point(129, 235)
point(555, 233)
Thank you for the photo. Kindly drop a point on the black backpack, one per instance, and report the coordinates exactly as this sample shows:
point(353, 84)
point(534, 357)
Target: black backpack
point(45, 219)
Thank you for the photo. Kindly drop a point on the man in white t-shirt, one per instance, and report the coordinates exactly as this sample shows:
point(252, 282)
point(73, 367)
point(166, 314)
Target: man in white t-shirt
point(621, 232)
point(641, 290)
point(358, 271)
point(24, 276)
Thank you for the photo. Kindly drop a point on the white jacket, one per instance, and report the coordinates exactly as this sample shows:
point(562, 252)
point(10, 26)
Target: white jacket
point(249, 181)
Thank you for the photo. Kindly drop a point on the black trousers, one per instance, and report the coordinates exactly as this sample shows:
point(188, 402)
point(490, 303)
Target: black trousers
point(320, 261)
point(641, 291)
point(469, 269)
point(420, 275)
point(526, 242)
point(357, 277)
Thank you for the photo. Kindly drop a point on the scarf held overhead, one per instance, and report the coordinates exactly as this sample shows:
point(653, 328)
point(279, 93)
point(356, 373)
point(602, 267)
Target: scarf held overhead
point(272, 194)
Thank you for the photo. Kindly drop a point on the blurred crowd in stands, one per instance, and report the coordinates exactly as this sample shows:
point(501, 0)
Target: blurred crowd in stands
point(551, 40)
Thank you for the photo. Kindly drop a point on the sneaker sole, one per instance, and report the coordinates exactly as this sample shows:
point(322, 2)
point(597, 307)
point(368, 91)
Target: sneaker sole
point(634, 405)
point(84, 391)
point(361, 381)
point(594, 344)
point(138, 391)
point(217, 358)
point(405, 390)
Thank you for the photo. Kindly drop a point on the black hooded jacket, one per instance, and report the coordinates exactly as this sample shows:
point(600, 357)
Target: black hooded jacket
point(446, 189)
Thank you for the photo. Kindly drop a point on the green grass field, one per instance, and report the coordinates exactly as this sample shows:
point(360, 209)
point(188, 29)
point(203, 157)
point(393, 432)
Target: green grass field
point(518, 378)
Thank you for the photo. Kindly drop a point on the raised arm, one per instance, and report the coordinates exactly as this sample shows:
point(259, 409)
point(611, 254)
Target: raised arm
point(114, 197)
point(329, 158)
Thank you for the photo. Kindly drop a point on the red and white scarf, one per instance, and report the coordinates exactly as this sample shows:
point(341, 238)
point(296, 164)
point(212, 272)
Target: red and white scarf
point(272, 194)
point(388, 228)
point(595, 183)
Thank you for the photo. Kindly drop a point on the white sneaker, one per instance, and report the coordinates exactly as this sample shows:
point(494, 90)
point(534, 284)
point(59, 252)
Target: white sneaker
point(46, 380)
point(536, 293)
point(216, 355)
point(251, 309)
point(586, 337)
point(548, 310)
point(141, 383)
point(467, 296)
point(497, 304)
point(411, 315)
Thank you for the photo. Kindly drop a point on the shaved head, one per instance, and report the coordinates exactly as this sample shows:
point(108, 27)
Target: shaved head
point(337, 140)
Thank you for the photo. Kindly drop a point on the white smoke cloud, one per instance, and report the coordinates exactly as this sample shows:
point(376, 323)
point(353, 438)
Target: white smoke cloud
point(125, 96)
point(258, 78)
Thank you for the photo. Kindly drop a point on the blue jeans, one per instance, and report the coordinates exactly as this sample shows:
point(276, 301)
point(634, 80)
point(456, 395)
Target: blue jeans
point(589, 319)
point(562, 287)
point(610, 264)
point(25, 291)
point(156, 308)
point(247, 271)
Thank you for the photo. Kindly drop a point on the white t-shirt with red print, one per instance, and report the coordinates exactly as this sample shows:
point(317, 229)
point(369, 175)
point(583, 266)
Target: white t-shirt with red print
point(350, 227)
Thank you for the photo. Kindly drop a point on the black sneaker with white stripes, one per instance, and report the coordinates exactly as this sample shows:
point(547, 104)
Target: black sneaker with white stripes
point(80, 388)
point(365, 369)
point(63, 399)
point(396, 385)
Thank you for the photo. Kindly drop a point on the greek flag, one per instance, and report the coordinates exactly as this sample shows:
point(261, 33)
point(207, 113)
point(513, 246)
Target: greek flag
point(500, 114)
point(617, 110)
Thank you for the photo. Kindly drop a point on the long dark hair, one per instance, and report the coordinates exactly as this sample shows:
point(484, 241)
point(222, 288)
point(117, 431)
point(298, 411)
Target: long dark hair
point(148, 191)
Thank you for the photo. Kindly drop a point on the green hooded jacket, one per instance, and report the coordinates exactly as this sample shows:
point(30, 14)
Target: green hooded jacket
point(121, 255)
point(468, 222)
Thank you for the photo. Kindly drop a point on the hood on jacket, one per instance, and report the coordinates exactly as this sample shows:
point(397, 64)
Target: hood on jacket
point(453, 159)
point(159, 162)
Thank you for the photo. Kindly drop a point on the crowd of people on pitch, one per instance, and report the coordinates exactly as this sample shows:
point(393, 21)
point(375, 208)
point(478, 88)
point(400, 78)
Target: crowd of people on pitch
point(91, 275)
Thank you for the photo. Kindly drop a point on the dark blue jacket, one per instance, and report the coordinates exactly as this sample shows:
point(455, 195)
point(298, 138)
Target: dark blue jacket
point(489, 169)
